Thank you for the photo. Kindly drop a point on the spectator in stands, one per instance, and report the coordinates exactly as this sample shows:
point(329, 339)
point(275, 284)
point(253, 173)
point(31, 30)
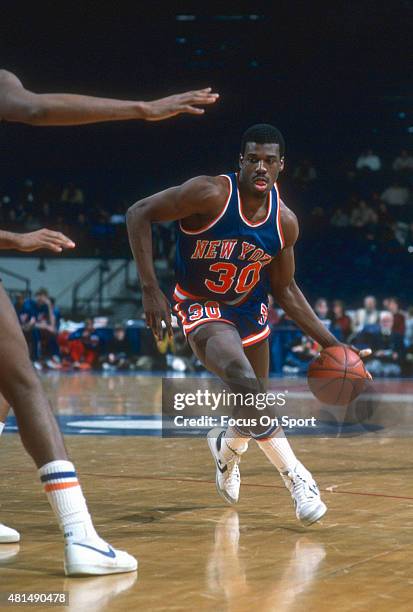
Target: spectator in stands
point(387, 347)
point(47, 324)
point(403, 162)
point(399, 320)
point(341, 321)
point(301, 352)
point(368, 161)
point(32, 223)
point(84, 345)
point(118, 216)
point(305, 173)
point(396, 194)
point(340, 218)
point(72, 195)
point(321, 309)
point(26, 316)
point(362, 215)
point(368, 315)
point(117, 351)
point(46, 216)
point(408, 335)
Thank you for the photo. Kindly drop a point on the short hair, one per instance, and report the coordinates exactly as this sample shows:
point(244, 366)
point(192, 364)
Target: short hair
point(263, 133)
point(42, 291)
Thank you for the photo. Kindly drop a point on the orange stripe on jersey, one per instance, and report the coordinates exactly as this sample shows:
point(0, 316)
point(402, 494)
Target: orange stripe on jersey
point(279, 224)
point(180, 294)
point(189, 328)
point(60, 485)
point(254, 338)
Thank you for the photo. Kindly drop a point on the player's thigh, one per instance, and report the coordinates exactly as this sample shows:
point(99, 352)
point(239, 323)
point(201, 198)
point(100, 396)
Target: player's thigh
point(259, 357)
point(219, 348)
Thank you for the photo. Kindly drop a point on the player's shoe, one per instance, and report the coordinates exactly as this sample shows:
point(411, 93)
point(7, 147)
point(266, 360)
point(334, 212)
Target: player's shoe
point(304, 490)
point(228, 478)
point(96, 558)
point(8, 535)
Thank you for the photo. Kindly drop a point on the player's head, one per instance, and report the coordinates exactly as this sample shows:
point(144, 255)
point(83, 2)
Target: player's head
point(261, 157)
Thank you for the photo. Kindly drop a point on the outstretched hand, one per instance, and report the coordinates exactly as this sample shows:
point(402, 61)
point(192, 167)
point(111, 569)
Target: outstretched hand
point(187, 102)
point(44, 239)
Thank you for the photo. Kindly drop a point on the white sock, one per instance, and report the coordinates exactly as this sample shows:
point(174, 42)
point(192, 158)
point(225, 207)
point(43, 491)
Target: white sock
point(233, 442)
point(279, 452)
point(1, 427)
point(66, 499)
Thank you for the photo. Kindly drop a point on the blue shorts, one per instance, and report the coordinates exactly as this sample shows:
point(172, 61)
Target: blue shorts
point(249, 317)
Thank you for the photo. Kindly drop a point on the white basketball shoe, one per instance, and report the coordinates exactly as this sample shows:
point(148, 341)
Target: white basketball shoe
point(8, 535)
point(96, 558)
point(304, 490)
point(228, 478)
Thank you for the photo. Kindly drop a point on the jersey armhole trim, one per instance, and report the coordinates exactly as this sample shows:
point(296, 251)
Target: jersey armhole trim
point(278, 219)
point(214, 221)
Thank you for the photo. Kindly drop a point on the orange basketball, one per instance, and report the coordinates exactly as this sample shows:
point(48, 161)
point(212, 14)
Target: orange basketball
point(337, 376)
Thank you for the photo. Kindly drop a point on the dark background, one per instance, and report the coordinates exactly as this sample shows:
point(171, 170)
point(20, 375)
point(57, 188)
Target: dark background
point(335, 77)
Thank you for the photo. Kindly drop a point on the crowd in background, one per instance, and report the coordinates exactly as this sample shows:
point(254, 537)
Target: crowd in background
point(364, 199)
point(356, 225)
point(387, 330)
point(95, 345)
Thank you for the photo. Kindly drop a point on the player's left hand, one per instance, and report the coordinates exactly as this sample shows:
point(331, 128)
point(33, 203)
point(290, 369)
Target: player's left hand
point(187, 102)
point(362, 353)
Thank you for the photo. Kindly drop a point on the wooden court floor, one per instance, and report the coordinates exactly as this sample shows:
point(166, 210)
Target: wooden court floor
point(156, 498)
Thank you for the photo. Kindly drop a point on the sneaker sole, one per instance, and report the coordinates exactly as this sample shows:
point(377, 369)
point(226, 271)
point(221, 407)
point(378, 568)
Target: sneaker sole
point(79, 569)
point(315, 516)
point(11, 539)
point(221, 492)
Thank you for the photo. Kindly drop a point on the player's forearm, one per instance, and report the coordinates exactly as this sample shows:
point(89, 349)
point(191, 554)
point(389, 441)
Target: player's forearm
point(140, 240)
point(72, 109)
point(9, 240)
point(295, 305)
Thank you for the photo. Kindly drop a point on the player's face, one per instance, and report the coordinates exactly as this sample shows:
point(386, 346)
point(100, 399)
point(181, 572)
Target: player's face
point(260, 166)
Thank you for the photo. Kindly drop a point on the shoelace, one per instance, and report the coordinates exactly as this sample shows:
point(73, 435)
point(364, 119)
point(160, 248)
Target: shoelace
point(233, 470)
point(300, 489)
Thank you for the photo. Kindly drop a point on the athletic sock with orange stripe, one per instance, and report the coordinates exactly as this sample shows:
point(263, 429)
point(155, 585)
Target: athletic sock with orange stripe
point(65, 496)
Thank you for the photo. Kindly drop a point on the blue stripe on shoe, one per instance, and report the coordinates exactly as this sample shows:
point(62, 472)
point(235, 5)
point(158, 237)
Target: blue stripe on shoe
point(57, 476)
point(107, 553)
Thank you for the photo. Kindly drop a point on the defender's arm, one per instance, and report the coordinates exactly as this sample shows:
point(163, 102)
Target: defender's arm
point(35, 241)
point(22, 105)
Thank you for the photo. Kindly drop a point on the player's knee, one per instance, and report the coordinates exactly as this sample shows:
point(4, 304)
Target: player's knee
point(240, 372)
point(22, 384)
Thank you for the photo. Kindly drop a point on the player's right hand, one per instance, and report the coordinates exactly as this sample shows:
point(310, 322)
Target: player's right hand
point(186, 102)
point(157, 309)
point(43, 239)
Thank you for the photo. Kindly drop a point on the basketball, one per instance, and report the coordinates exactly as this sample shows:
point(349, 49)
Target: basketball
point(337, 376)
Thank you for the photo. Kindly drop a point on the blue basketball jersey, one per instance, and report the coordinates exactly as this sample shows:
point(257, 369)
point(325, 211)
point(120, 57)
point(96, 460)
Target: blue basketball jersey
point(225, 260)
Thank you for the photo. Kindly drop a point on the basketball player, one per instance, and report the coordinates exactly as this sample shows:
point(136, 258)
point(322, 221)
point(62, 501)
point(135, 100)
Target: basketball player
point(85, 551)
point(233, 230)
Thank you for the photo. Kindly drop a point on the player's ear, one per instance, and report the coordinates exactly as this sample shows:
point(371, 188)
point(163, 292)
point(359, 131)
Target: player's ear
point(281, 164)
point(241, 159)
